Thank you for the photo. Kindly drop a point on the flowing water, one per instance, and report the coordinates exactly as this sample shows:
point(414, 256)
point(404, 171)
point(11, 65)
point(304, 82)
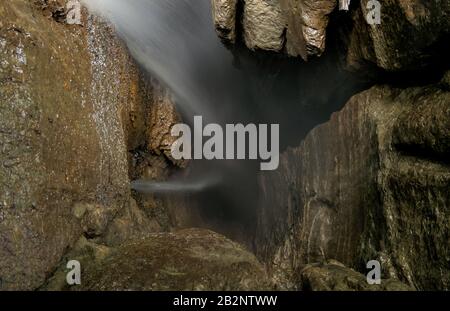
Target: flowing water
point(175, 42)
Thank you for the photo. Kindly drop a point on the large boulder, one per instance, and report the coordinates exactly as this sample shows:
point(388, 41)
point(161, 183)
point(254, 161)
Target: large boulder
point(334, 276)
point(190, 259)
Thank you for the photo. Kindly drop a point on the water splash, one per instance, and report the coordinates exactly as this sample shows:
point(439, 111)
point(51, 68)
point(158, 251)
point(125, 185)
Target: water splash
point(175, 186)
point(176, 43)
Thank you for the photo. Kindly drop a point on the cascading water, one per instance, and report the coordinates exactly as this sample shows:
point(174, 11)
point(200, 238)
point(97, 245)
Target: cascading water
point(176, 43)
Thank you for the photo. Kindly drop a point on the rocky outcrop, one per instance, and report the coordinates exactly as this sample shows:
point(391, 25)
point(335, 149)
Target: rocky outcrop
point(372, 183)
point(263, 24)
point(294, 27)
point(411, 36)
point(192, 259)
point(306, 26)
point(225, 19)
point(71, 124)
point(79, 120)
point(406, 39)
point(334, 276)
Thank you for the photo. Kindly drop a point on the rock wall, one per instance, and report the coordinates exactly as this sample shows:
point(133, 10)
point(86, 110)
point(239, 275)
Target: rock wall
point(411, 35)
point(71, 120)
point(406, 39)
point(372, 183)
point(294, 27)
point(79, 120)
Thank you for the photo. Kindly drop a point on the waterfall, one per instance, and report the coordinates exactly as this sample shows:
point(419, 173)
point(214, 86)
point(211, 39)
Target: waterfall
point(175, 41)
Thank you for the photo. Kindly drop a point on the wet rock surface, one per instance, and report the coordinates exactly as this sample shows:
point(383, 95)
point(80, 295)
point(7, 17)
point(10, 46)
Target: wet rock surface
point(70, 97)
point(412, 35)
point(355, 191)
point(295, 27)
point(334, 276)
point(79, 121)
point(370, 183)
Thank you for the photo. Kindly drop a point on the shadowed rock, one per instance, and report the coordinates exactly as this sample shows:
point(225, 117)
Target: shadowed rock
point(334, 276)
point(372, 183)
point(406, 39)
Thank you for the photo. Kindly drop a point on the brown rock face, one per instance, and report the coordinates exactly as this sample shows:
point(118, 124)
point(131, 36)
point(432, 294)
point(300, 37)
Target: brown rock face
point(70, 98)
point(307, 24)
point(334, 276)
point(224, 14)
point(78, 121)
point(294, 27)
point(263, 24)
point(192, 259)
point(406, 39)
point(355, 190)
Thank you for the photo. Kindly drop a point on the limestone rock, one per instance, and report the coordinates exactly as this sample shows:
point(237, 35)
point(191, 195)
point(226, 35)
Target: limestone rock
point(408, 38)
point(55, 9)
point(224, 16)
point(86, 253)
point(94, 218)
point(307, 22)
point(163, 116)
point(344, 5)
point(264, 25)
point(411, 35)
point(67, 97)
point(295, 27)
point(131, 223)
point(191, 259)
point(334, 276)
point(356, 190)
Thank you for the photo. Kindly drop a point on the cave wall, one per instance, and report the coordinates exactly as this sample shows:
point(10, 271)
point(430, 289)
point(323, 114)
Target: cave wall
point(405, 40)
point(355, 191)
point(372, 182)
point(74, 109)
point(79, 121)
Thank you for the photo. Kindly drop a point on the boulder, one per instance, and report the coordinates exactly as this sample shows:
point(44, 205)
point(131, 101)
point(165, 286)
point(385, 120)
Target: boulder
point(190, 259)
point(334, 276)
